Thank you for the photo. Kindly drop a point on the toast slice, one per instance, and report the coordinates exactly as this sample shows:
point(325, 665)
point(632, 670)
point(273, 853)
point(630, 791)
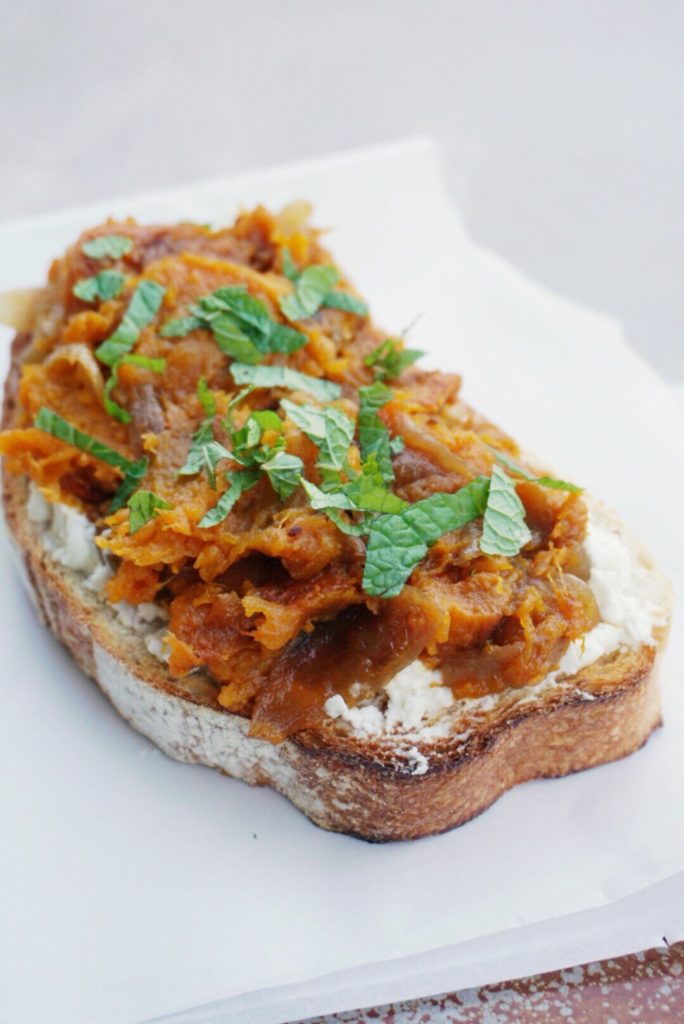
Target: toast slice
point(366, 771)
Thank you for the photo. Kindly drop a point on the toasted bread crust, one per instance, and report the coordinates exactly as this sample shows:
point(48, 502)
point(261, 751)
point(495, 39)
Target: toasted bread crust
point(343, 782)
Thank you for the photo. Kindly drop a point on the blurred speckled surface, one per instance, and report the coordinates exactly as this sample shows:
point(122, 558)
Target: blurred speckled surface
point(645, 988)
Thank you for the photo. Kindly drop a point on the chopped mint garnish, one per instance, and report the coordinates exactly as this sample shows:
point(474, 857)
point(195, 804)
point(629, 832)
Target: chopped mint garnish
point(389, 359)
point(107, 247)
point(313, 285)
point(374, 438)
point(105, 285)
point(144, 506)
point(238, 483)
point(285, 473)
point(142, 309)
point(52, 423)
point(285, 377)
point(504, 530)
point(545, 481)
point(241, 324)
point(397, 543)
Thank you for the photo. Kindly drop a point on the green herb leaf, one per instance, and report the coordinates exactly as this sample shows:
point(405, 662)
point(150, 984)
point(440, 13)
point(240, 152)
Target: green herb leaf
point(321, 501)
point(105, 285)
point(206, 398)
point(234, 403)
point(289, 269)
point(253, 318)
point(358, 529)
point(232, 340)
point(389, 359)
point(142, 309)
point(107, 247)
point(329, 429)
point(374, 438)
point(397, 543)
point(132, 478)
point(204, 454)
point(52, 423)
point(144, 505)
point(112, 407)
point(349, 303)
point(146, 363)
point(369, 491)
point(285, 377)
point(180, 327)
point(285, 473)
point(504, 530)
point(558, 485)
point(333, 504)
point(545, 481)
point(238, 484)
point(312, 286)
point(268, 420)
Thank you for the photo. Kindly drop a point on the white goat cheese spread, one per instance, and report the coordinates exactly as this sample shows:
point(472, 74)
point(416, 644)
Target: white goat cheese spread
point(628, 597)
point(69, 536)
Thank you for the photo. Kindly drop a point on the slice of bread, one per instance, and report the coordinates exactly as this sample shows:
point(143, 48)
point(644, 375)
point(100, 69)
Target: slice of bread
point(381, 783)
point(378, 772)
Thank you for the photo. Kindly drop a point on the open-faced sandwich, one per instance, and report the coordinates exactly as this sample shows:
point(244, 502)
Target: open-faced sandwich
point(284, 551)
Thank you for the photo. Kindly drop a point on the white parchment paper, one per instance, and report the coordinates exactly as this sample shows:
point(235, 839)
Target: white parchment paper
point(132, 886)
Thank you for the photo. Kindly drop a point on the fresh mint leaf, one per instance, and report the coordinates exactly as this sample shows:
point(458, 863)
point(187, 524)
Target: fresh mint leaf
point(144, 362)
point(142, 309)
point(545, 481)
point(238, 483)
point(105, 285)
point(112, 407)
point(285, 473)
point(144, 505)
point(285, 377)
point(358, 529)
point(504, 530)
point(268, 420)
point(107, 247)
point(289, 268)
point(132, 478)
point(181, 326)
point(389, 359)
point(206, 398)
point(133, 359)
point(321, 501)
point(330, 430)
point(52, 423)
point(397, 543)
point(311, 288)
point(254, 319)
point(205, 453)
point(232, 340)
point(374, 438)
point(346, 302)
point(558, 485)
point(333, 504)
point(241, 324)
point(369, 491)
point(234, 403)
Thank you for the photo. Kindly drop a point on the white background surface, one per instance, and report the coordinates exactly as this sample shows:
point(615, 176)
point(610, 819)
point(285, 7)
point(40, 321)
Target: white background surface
point(136, 884)
point(560, 122)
